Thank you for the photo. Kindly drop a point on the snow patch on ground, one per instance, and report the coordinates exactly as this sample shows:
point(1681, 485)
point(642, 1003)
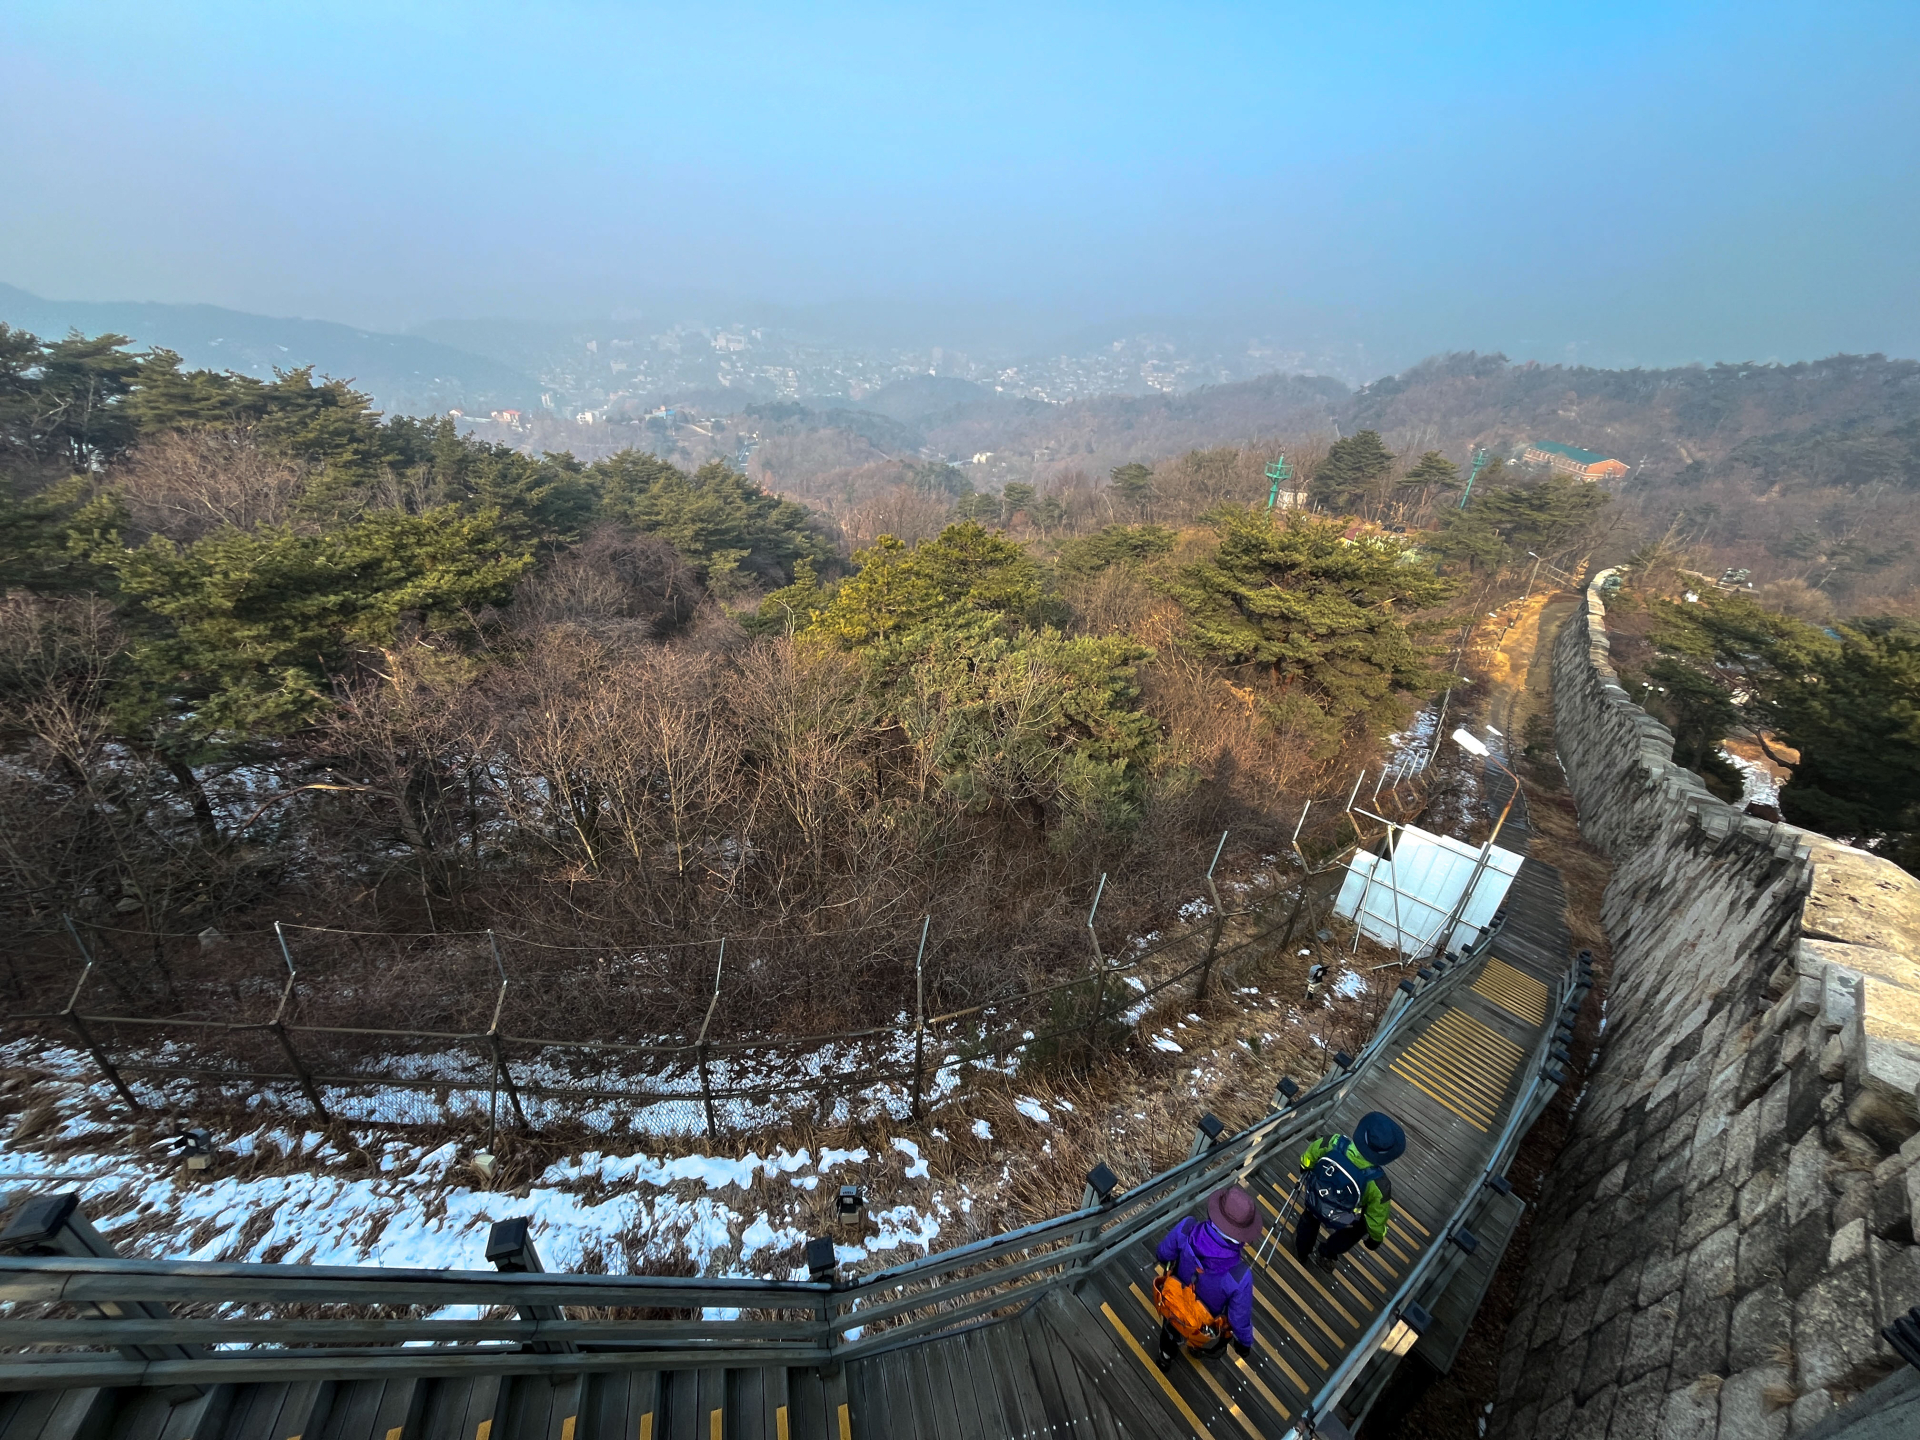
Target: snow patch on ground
point(1033, 1110)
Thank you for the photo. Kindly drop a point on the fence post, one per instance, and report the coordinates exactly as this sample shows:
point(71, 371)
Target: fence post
point(920, 1020)
point(279, 1029)
point(73, 1018)
point(1099, 970)
point(700, 1045)
point(1219, 924)
point(501, 1075)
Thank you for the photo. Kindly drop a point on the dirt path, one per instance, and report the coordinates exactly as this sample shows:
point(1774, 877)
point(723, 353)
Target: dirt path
point(1513, 653)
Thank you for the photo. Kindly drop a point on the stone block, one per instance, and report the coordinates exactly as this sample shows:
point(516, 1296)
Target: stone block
point(1839, 999)
point(1896, 1278)
point(1763, 1192)
point(1762, 1328)
point(1773, 1137)
point(1808, 1411)
point(1763, 1253)
point(1706, 1211)
point(1834, 1333)
point(1849, 1244)
point(1806, 1252)
point(1691, 1413)
point(1680, 1132)
point(1650, 1341)
point(1589, 1422)
point(1807, 1192)
point(1833, 1065)
point(1711, 1266)
point(1576, 1319)
point(1743, 1138)
point(1621, 1290)
point(1807, 993)
point(1636, 1407)
point(1669, 1175)
point(1554, 1279)
point(1563, 1375)
point(1612, 1182)
point(1554, 1418)
point(1793, 1048)
point(1661, 1276)
point(1855, 1200)
point(1751, 1404)
point(1605, 1353)
point(1700, 1339)
point(1708, 1154)
point(1890, 1212)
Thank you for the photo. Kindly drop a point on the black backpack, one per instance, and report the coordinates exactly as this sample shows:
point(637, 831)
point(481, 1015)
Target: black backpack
point(1337, 1193)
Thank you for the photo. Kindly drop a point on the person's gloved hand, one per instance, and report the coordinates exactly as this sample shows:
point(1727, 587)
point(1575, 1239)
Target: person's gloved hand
point(1245, 1352)
point(1371, 1243)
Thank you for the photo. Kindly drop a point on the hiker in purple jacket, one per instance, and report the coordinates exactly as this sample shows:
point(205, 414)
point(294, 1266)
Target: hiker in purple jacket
point(1205, 1255)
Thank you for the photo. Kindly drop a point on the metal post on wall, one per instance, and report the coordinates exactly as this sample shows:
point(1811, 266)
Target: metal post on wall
point(279, 1028)
point(700, 1045)
point(920, 1019)
point(73, 1018)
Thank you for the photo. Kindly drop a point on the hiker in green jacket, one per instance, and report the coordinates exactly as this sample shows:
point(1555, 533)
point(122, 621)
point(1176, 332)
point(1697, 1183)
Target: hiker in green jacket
point(1345, 1189)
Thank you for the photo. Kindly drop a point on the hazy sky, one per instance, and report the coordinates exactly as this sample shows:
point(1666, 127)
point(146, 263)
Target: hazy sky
point(1613, 182)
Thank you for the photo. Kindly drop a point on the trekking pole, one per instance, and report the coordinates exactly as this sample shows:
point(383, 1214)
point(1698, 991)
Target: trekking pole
point(1273, 1230)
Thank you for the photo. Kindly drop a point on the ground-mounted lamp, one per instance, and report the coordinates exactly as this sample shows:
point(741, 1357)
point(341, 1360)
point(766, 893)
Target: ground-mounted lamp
point(822, 1261)
point(850, 1206)
point(196, 1148)
point(1408, 1326)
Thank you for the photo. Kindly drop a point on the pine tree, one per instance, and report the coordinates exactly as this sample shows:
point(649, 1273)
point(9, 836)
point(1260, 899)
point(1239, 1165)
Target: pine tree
point(1355, 468)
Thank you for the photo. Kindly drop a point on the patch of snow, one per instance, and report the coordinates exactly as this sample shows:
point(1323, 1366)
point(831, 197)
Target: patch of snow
point(982, 1130)
point(1168, 1044)
point(917, 1169)
point(1033, 1110)
point(1351, 985)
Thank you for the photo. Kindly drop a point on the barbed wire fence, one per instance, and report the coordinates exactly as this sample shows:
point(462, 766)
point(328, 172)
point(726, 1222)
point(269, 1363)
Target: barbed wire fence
point(302, 1047)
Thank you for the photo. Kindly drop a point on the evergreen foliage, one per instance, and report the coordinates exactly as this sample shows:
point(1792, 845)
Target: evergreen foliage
point(1114, 545)
point(1355, 469)
point(1327, 618)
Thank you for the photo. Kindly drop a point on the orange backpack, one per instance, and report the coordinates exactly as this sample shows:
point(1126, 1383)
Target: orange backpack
point(1182, 1309)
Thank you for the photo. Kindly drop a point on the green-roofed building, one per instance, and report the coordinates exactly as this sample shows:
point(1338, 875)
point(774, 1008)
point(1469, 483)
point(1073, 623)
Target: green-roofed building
point(1572, 460)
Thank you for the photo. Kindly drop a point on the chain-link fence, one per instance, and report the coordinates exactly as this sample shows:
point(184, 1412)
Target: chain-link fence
point(295, 1038)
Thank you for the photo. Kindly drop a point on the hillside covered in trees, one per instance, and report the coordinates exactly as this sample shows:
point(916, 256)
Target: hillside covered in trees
point(265, 654)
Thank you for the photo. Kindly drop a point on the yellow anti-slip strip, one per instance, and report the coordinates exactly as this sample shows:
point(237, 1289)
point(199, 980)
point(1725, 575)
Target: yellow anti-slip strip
point(1513, 990)
point(1438, 1065)
point(1467, 1031)
point(1395, 1067)
point(1146, 1363)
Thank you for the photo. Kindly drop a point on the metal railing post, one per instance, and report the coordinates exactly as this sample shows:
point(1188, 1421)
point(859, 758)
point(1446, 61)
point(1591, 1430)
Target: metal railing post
point(73, 1018)
point(1099, 971)
point(1219, 923)
point(279, 1029)
point(700, 1045)
point(920, 1020)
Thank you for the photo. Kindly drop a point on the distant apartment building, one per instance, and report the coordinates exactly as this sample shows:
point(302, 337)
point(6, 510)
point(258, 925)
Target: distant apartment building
point(1572, 460)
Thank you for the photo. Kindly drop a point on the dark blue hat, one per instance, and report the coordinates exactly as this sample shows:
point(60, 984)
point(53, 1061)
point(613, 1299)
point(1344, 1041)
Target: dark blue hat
point(1380, 1136)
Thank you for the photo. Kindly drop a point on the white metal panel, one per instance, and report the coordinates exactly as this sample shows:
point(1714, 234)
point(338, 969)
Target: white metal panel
point(1404, 901)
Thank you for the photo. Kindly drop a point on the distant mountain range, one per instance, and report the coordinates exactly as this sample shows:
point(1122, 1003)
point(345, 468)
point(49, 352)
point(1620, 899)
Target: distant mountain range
point(403, 373)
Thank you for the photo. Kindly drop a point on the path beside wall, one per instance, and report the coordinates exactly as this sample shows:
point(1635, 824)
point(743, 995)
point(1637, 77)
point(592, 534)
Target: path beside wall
point(1734, 1215)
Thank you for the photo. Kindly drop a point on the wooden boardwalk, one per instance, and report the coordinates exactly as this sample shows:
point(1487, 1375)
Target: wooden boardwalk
point(1077, 1362)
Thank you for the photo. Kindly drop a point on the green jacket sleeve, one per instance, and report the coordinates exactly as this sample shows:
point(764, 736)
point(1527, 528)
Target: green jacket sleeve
point(1313, 1152)
point(1379, 1211)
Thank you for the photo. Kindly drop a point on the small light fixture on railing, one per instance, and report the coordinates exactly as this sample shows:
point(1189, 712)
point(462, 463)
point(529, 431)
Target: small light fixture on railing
point(850, 1206)
point(1343, 1060)
point(1408, 1327)
point(822, 1261)
point(1102, 1184)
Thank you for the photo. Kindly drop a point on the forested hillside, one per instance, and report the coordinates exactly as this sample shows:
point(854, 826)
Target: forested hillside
point(266, 654)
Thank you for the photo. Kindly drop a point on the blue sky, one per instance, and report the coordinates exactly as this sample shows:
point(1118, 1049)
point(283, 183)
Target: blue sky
point(1617, 183)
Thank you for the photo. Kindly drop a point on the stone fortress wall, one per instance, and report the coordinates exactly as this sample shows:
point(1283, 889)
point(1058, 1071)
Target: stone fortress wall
point(1734, 1215)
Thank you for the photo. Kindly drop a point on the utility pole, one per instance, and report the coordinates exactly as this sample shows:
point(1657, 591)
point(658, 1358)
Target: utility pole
point(1479, 464)
point(1277, 472)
